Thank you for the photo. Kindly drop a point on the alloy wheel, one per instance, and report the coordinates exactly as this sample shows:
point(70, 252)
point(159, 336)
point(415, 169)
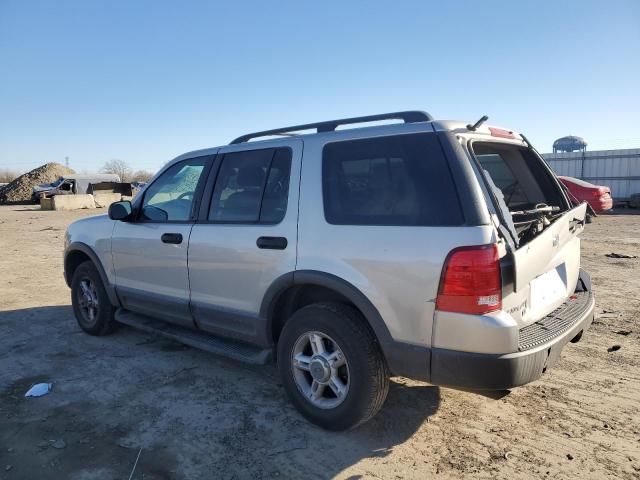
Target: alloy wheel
point(320, 370)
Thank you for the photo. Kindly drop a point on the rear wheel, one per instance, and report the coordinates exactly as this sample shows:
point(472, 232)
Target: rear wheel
point(331, 366)
point(91, 305)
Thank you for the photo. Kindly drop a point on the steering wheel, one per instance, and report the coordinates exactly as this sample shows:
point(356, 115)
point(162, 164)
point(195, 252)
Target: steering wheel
point(510, 190)
point(184, 195)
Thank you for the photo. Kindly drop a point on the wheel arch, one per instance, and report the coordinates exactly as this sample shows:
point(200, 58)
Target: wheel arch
point(282, 299)
point(286, 287)
point(77, 253)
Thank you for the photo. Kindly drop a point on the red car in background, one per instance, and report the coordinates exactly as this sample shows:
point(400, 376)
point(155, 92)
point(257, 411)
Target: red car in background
point(597, 196)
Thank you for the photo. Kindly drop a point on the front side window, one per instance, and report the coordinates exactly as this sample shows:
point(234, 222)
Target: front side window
point(252, 187)
point(170, 197)
point(395, 180)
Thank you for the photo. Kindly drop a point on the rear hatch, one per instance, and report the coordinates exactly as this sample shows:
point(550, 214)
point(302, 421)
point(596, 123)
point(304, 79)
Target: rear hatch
point(538, 223)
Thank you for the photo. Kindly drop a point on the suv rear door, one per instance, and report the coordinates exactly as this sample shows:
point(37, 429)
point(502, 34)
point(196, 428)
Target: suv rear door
point(546, 266)
point(549, 264)
point(246, 236)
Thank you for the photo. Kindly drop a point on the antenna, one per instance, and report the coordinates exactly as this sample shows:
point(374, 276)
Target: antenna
point(475, 126)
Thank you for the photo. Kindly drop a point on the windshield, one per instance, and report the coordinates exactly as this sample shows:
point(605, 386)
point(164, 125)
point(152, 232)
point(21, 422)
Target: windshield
point(57, 182)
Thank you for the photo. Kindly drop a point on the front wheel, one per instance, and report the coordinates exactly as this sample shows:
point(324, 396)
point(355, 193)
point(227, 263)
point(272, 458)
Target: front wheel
point(90, 301)
point(331, 366)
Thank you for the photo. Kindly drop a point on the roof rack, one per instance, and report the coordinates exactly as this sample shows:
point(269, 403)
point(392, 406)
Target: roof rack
point(330, 126)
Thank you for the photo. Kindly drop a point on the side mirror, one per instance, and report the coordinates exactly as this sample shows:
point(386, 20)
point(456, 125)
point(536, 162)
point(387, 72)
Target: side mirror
point(120, 210)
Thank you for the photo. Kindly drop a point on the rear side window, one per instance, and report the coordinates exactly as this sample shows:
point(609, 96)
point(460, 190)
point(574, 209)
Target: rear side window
point(395, 180)
point(252, 187)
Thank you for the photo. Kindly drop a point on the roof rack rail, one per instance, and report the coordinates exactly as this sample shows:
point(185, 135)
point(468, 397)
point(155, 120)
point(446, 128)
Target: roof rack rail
point(411, 116)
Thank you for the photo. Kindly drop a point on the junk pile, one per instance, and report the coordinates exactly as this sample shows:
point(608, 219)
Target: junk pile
point(20, 189)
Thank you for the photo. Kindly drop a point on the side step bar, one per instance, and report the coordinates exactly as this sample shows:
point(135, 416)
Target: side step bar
point(203, 341)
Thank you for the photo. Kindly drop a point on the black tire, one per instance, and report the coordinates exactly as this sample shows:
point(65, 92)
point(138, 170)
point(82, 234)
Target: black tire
point(588, 218)
point(103, 322)
point(367, 369)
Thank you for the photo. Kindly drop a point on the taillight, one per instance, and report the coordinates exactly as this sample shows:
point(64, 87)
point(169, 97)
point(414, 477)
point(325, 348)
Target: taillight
point(471, 281)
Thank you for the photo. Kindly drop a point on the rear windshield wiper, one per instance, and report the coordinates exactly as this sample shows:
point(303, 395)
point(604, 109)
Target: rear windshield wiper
point(540, 208)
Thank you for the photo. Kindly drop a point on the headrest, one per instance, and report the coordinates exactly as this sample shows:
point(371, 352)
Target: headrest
point(250, 177)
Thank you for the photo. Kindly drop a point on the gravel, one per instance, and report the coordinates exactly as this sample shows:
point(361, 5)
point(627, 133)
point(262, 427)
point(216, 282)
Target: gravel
point(20, 189)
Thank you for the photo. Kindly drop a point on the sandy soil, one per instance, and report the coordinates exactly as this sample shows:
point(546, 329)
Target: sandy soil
point(192, 415)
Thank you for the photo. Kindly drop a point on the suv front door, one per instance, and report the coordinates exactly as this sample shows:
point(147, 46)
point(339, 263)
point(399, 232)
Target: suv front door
point(150, 252)
point(245, 238)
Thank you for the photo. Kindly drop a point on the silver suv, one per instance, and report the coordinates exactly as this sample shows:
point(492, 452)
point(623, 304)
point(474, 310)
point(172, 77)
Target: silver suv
point(434, 250)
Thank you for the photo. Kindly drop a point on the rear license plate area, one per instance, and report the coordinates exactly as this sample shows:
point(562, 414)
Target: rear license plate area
point(548, 290)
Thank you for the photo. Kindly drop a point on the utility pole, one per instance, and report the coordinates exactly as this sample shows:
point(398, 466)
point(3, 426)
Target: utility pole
point(66, 162)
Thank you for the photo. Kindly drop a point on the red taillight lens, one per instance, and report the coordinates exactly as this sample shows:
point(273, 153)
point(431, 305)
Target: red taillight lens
point(471, 281)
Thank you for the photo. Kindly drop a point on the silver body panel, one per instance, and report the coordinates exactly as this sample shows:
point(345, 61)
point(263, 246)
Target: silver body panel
point(151, 276)
point(397, 268)
point(228, 273)
point(219, 269)
point(95, 233)
point(550, 263)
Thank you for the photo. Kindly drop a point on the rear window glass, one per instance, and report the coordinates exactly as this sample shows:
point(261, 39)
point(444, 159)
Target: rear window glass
point(395, 180)
point(519, 174)
point(503, 177)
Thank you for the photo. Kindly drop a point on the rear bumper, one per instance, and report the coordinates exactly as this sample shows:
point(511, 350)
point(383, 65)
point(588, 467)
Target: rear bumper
point(499, 372)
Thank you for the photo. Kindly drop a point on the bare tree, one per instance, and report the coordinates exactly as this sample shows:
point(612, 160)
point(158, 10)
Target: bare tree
point(119, 167)
point(7, 175)
point(141, 176)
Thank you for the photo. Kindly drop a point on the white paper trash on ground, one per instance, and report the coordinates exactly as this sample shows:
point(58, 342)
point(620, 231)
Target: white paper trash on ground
point(38, 390)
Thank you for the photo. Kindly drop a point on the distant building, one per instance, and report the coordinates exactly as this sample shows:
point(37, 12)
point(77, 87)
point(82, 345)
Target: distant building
point(617, 169)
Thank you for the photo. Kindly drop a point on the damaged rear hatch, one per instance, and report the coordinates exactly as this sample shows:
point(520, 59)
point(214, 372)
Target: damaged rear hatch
point(538, 223)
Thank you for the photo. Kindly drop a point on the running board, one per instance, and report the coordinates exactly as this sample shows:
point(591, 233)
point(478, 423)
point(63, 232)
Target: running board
point(200, 340)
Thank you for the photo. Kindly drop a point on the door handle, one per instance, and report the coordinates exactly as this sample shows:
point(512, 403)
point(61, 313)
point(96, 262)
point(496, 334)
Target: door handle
point(171, 238)
point(273, 243)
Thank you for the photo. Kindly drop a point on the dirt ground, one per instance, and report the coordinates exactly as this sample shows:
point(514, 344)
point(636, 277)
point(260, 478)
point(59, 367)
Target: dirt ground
point(191, 415)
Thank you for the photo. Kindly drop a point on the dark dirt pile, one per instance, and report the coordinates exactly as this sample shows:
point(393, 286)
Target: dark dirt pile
point(20, 189)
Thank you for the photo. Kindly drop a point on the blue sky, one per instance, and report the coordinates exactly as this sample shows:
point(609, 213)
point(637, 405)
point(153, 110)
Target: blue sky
point(144, 81)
